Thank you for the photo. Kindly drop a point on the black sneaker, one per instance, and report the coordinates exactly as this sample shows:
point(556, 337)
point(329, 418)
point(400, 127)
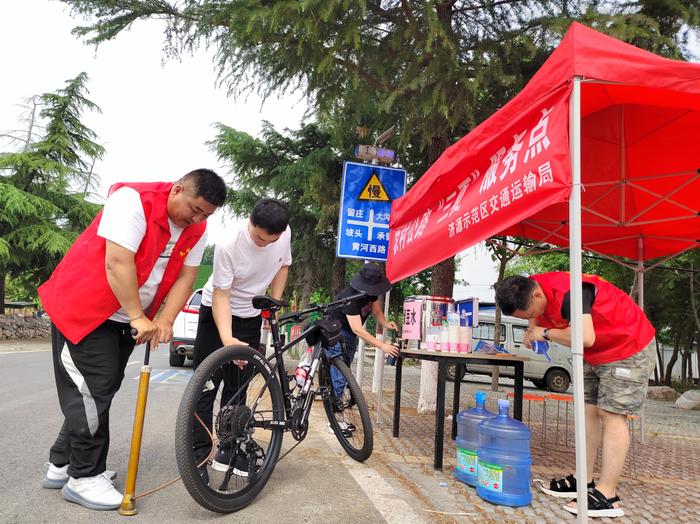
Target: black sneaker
point(563, 488)
point(338, 405)
point(223, 459)
point(248, 459)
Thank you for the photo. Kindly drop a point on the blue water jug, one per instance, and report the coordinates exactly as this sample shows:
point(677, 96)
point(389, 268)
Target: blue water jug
point(504, 460)
point(468, 439)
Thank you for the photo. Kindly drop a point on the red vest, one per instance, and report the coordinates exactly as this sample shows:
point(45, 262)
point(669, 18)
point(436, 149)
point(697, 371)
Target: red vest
point(621, 328)
point(78, 297)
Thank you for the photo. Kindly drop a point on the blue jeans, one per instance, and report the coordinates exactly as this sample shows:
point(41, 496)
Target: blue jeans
point(337, 379)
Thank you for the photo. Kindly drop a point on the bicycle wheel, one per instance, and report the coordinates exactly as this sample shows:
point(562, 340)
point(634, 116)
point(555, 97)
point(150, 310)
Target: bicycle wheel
point(225, 415)
point(348, 415)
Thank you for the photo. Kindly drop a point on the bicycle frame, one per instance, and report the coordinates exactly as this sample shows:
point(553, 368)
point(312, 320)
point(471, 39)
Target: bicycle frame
point(317, 356)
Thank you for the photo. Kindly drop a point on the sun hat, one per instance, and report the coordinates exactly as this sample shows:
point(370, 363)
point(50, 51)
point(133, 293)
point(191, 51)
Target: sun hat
point(371, 280)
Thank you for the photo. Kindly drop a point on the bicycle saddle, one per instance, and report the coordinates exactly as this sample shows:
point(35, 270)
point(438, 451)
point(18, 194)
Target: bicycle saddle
point(266, 302)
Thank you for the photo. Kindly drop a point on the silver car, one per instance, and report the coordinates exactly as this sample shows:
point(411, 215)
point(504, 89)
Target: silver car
point(554, 376)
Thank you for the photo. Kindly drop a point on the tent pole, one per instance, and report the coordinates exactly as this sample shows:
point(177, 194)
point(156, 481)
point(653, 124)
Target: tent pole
point(640, 301)
point(576, 298)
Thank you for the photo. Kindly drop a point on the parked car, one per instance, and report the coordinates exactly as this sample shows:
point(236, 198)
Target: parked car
point(185, 330)
point(553, 376)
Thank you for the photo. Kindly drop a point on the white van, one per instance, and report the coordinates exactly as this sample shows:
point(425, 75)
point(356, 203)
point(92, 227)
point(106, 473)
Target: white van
point(553, 376)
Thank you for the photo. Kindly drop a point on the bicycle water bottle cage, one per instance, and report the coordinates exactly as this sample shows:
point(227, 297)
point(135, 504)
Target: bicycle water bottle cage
point(267, 303)
point(327, 332)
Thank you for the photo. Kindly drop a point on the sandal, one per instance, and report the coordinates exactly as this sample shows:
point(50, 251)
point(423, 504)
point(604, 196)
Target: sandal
point(563, 488)
point(599, 506)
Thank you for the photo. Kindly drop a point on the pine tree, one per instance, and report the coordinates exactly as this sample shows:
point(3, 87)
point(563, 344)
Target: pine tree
point(303, 169)
point(43, 188)
point(438, 66)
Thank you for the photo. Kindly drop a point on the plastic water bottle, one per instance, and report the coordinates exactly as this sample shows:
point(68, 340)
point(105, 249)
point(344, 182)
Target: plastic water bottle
point(302, 371)
point(468, 439)
point(504, 460)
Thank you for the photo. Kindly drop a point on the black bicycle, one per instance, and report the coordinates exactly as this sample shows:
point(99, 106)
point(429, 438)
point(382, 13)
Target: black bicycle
point(238, 404)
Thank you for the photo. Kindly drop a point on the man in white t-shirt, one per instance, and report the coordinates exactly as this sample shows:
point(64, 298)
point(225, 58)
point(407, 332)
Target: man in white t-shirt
point(255, 257)
point(144, 247)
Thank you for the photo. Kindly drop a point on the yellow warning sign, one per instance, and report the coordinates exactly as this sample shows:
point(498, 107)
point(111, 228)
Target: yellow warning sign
point(374, 190)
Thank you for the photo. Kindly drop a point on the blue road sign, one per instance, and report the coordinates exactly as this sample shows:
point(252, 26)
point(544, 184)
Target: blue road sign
point(365, 209)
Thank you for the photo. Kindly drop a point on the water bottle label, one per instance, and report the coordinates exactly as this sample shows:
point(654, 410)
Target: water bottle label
point(466, 461)
point(490, 476)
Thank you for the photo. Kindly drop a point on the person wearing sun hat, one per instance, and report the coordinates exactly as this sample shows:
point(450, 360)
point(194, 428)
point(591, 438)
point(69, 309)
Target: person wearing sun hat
point(371, 281)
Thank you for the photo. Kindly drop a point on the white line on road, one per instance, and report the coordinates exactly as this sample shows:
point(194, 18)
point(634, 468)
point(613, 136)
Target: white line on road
point(25, 351)
point(386, 499)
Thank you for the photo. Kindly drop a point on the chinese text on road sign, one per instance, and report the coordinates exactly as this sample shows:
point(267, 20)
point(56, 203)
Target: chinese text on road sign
point(365, 209)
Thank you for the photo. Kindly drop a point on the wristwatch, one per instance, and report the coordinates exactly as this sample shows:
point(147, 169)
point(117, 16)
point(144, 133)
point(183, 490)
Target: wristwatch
point(545, 333)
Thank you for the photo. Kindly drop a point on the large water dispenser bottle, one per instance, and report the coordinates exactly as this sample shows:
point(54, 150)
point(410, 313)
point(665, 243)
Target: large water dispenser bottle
point(468, 439)
point(504, 460)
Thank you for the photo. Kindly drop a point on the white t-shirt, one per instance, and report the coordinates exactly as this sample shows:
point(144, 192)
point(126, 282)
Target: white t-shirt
point(124, 223)
point(246, 269)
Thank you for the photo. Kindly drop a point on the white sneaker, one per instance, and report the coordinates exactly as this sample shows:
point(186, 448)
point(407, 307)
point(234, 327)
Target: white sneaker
point(346, 429)
point(92, 492)
point(56, 477)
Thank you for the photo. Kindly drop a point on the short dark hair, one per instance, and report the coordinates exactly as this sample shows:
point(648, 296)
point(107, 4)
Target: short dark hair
point(206, 184)
point(514, 293)
point(270, 214)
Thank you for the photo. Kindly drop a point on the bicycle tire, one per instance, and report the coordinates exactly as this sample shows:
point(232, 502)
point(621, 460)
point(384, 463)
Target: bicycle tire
point(197, 487)
point(362, 452)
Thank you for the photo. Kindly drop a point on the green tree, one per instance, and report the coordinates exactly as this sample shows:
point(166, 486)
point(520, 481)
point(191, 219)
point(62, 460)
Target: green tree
point(303, 169)
point(208, 255)
point(437, 67)
point(43, 187)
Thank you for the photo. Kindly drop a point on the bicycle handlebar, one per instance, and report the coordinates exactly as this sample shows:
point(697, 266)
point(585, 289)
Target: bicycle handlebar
point(298, 316)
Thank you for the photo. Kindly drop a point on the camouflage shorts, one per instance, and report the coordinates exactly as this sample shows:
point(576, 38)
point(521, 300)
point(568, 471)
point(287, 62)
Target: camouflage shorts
point(618, 387)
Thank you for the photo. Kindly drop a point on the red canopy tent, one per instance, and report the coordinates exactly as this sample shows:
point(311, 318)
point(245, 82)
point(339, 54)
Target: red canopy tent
point(598, 151)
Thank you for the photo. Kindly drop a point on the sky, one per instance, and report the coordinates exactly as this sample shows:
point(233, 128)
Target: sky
point(157, 114)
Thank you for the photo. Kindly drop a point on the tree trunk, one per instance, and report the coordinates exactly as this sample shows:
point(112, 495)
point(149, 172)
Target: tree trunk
point(2, 290)
point(674, 357)
point(442, 285)
point(697, 353)
point(338, 277)
point(684, 367)
point(660, 363)
point(306, 287)
point(696, 317)
point(687, 355)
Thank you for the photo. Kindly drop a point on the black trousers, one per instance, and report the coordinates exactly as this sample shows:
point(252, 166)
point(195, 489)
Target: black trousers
point(88, 375)
point(208, 341)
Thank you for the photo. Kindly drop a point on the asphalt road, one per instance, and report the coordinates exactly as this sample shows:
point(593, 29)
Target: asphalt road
point(315, 483)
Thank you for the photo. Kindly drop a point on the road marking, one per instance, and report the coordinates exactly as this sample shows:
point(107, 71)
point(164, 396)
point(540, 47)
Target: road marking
point(387, 499)
point(170, 377)
point(25, 351)
point(156, 376)
point(181, 375)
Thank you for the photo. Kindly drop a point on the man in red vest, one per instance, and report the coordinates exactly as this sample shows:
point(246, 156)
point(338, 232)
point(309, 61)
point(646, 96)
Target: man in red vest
point(144, 247)
point(616, 370)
